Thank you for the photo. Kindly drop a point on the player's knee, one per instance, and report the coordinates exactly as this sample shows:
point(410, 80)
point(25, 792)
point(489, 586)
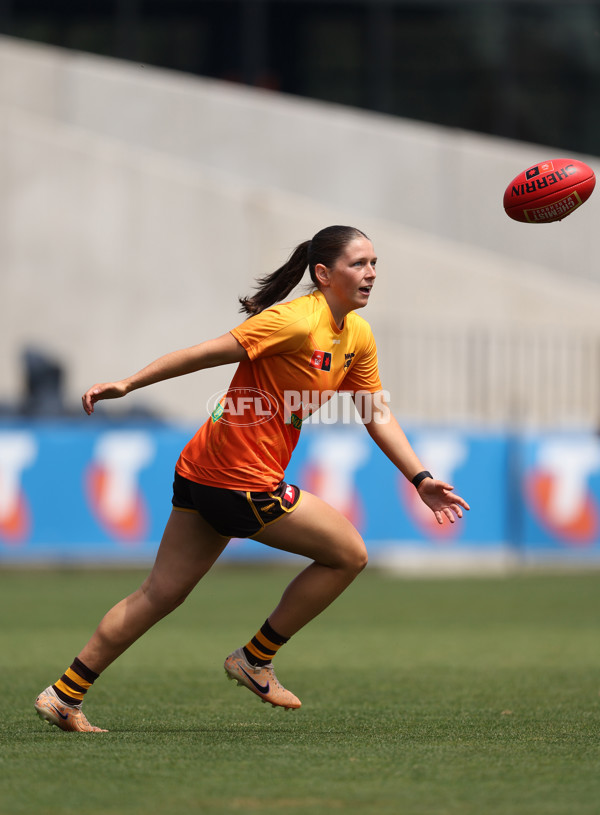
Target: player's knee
point(165, 598)
point(361, 559)
point(355, 557)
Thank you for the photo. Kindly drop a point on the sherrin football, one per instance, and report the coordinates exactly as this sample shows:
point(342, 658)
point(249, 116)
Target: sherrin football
point(549, 191)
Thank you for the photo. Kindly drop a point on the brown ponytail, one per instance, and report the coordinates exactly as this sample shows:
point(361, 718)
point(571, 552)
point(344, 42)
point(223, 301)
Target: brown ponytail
point(326, 246)
point(275, 286)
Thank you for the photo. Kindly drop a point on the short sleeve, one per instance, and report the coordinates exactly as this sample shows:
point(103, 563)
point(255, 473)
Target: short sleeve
point(277, 330)
point(363, 374)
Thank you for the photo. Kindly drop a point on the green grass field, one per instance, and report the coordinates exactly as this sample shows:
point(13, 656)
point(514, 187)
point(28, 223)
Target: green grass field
point(424, 697)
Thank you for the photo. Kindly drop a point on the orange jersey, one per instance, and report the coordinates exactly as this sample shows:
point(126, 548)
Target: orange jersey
point(297, 359)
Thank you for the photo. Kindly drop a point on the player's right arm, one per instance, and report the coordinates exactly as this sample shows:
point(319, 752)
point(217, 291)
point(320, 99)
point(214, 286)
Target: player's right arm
point(220, 351)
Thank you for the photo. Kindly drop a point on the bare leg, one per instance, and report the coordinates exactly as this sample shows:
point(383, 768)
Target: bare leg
point(317, 531)
point(188, 549)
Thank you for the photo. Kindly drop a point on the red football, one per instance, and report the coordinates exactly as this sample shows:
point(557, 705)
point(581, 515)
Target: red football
point(549, 191)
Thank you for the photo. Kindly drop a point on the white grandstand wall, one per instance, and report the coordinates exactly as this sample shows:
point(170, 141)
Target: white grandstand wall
point(136, 204)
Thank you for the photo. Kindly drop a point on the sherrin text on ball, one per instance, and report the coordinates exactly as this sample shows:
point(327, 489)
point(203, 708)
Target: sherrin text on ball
point(549, 191)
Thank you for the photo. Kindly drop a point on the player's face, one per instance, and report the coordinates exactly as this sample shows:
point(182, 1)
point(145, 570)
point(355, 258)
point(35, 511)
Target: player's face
point(348, 283)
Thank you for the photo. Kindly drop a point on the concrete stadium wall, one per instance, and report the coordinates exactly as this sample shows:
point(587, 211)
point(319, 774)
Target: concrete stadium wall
point(136, 204)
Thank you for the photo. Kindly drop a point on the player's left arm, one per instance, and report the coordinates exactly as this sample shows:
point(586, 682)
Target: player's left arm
point(387, 434)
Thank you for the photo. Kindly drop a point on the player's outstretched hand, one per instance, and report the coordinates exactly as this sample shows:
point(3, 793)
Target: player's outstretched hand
point(441, 500)
point(108, 390)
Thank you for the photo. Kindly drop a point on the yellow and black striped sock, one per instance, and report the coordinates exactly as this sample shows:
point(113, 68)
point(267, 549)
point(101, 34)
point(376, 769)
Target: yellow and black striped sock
point(75, 683)
point(264, 645)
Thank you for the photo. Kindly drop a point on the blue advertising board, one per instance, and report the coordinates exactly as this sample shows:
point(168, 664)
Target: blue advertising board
point(348, 470)
point(560, 496)
point(72, 493)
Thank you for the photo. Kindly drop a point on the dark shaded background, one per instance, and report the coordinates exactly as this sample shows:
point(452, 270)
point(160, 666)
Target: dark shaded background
point(524, 70)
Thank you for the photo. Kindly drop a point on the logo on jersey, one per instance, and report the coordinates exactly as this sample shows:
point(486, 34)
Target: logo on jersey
point(348, 360)
point(321, 360)
point(296, 421)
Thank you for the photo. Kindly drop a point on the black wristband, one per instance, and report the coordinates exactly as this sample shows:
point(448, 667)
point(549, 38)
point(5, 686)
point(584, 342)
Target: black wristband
point(420, 477)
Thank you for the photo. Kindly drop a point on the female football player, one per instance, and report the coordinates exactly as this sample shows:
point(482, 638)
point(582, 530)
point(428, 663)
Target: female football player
point(229, 479)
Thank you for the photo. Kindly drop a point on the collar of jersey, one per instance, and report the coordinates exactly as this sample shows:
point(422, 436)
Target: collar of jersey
point(321, 299)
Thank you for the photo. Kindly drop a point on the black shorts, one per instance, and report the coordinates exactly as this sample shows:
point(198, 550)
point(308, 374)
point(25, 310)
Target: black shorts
point(235, 513)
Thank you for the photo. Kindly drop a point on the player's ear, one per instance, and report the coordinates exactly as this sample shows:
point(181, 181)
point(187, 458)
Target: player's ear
point(322, 274)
